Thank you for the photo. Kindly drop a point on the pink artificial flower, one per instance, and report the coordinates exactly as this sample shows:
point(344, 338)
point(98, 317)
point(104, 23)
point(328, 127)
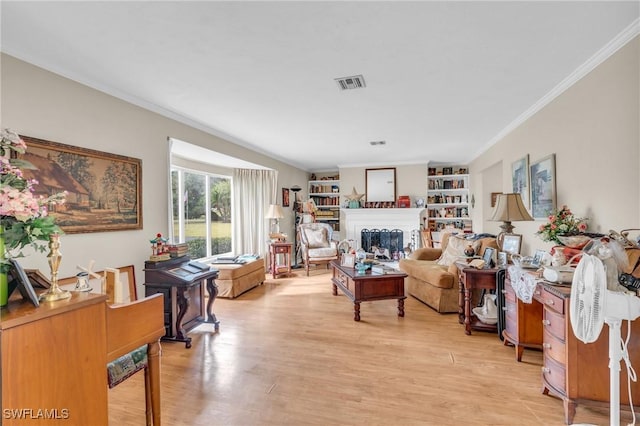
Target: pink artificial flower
point(582, 226)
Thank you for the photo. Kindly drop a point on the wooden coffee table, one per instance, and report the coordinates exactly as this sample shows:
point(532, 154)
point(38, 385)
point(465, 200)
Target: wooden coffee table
point(368, 287)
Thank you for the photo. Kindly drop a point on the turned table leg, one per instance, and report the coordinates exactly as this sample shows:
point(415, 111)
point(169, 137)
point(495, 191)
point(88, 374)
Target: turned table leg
point(356, 311)
point(183, 306)
point(212, 289)
point(400, 307)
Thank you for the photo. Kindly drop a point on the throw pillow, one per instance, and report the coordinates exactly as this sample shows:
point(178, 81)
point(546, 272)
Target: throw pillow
point(453, 251)
point(317, 238)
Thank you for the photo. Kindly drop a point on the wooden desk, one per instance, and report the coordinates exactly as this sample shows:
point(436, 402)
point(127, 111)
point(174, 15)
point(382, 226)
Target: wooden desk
point(368, 287)
point(284, 249)
point(474, 279)
point(183, 288)
point(54, 358)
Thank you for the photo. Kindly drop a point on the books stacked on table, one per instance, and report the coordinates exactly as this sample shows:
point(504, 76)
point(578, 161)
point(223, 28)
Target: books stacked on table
point(382, 269)
point(178, 250)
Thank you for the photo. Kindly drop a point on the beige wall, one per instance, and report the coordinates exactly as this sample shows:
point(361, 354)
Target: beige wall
point(593, 129)
point(44, 105)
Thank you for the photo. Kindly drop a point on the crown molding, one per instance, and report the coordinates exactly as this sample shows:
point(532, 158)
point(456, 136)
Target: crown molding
point(624, 37)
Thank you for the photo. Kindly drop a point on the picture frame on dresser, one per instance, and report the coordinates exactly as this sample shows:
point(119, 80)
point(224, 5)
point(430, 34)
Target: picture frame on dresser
point(543, 187)
point(23, 284)
point(487, 256)
point(512, 243)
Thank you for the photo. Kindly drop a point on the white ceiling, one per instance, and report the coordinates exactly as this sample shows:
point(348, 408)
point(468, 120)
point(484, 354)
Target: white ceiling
point(444, 79)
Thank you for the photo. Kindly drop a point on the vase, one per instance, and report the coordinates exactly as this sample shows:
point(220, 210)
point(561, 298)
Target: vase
point(558, 258)
point(4, 279)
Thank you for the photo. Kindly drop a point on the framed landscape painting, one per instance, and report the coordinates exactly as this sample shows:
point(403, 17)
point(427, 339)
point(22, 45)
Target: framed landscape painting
point(543, 187)
point(520, 179)
point(104, 191)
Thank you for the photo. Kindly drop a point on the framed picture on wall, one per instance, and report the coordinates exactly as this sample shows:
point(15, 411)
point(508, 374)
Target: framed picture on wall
point(285, 197)
point(104, 191)
point(520, 179)
point(543, 187)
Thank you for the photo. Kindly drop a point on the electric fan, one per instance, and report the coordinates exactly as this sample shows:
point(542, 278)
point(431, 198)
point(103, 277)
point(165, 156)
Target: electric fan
point(592, 304)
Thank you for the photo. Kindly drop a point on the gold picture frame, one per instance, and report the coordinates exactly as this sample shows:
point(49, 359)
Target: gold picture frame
point(104, 191)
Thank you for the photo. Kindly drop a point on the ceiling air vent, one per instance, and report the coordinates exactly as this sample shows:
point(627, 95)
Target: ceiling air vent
point(353, 82)
point(375, 143)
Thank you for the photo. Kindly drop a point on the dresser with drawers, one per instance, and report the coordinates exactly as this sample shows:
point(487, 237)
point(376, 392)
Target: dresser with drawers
point(574, 371)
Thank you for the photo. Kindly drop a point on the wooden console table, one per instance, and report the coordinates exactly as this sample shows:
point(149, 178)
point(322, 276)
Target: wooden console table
point(474, 279)
point(368, 287)
point(54, 357)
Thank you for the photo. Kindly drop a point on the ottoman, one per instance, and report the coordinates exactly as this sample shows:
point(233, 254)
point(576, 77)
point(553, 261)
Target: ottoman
point(236, 278)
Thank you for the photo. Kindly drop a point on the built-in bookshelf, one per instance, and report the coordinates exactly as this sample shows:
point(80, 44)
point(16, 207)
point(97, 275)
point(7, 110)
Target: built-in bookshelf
point(325, 193)
point(448, 200)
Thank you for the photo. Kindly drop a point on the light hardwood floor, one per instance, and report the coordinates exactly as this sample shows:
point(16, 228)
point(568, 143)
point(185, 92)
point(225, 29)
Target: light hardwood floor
point(289, 353)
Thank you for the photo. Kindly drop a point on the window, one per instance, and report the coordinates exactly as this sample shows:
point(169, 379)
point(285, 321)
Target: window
point(201, 212)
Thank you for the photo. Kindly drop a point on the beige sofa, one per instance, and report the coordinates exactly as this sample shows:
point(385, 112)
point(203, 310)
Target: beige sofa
point(434, 284)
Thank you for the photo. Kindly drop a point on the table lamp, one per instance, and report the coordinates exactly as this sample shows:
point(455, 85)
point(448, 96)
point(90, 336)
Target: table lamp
point(275, 213)
point(509, 208)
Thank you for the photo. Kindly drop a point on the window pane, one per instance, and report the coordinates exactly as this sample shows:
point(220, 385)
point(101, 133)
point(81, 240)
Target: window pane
point(195, 231)
point(175, 203)
point(220, 194)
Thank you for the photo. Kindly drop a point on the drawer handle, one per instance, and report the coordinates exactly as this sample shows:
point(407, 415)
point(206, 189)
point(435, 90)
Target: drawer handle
point(546, 322)
point(504, 291)
point(545, 370)
point(549, 302)
point(546, 345)
point(504, 308)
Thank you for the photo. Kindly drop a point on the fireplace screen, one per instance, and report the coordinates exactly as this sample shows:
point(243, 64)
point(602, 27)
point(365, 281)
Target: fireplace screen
point(388, 242)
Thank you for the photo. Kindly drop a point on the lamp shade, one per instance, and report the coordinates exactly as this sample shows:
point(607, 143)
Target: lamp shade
point(275, 212)
point(509, 208)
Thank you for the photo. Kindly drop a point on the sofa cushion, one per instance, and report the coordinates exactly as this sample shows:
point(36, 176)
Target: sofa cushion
point(454, 250)
point(429, 272)
point(323, 252)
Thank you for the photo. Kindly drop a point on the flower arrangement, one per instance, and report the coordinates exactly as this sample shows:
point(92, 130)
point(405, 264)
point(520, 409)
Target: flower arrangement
point(561, 223)
point(24, 218)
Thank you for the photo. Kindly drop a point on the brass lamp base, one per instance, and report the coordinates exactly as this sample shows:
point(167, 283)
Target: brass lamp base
point(53, 294)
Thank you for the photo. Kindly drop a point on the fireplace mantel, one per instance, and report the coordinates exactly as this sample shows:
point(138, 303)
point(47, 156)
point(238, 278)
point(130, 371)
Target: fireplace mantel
point(355, 220)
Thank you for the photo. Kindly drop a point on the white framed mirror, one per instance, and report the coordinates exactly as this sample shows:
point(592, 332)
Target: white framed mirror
point(380, 185)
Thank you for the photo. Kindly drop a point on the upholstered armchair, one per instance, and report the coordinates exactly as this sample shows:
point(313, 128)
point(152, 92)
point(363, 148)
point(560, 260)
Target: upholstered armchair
point(316, 244)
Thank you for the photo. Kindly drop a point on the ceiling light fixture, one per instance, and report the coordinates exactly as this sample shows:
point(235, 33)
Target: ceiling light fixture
point(352, 82)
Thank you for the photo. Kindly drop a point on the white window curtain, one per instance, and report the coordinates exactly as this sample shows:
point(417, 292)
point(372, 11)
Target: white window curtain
point(254, 190)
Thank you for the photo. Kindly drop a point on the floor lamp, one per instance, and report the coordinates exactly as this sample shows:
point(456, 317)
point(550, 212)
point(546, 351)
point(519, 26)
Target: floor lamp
point(297, 209)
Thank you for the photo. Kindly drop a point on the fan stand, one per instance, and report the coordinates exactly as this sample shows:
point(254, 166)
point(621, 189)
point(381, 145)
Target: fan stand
point(615, 357)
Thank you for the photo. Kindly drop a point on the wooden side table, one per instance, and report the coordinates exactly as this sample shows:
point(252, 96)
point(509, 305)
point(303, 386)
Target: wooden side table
point(284, 249)
point(472, 279)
